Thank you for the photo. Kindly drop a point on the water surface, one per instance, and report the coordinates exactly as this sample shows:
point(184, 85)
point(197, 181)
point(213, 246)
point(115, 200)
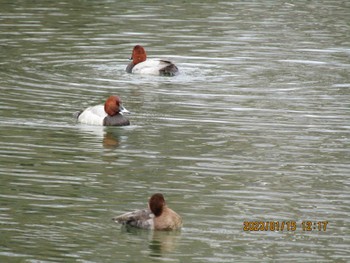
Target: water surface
point(255, 128)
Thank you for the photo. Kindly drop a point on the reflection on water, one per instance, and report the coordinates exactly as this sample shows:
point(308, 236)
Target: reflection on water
point(160, 243)
point(164, 242)
point(255, 127)
point(110, 140)
point(110, 137)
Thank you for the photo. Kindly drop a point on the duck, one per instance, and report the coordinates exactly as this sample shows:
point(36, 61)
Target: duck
point(141, 65)
point(109, 114)
point(158, 216)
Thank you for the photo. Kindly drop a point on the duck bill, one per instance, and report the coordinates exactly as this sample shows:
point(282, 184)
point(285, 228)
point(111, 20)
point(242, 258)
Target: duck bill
point(122, 110)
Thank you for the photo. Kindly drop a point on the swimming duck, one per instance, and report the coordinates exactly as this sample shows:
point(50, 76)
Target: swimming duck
point(141, 65)
point(158, 216)
point(109, 114)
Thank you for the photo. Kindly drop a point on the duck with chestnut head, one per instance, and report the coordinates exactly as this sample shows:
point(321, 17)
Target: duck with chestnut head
point(141, 65)
point(158, 216)
point(109, 114)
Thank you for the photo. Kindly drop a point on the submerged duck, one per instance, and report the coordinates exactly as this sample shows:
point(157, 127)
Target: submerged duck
point(141, 65)
point(109, 114)
point(158, 216)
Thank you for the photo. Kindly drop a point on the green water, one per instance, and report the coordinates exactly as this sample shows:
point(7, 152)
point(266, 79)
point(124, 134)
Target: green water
point(255, 128)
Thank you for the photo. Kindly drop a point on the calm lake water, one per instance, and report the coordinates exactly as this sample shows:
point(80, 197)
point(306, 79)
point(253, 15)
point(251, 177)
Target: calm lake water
point(255, 128)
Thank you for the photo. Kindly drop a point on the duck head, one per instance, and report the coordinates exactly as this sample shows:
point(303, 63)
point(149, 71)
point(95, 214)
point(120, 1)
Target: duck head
point(156, 204)
point(113, 106)
point(138, 54)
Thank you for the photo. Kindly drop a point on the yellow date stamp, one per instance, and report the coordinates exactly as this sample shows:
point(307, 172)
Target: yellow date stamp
point(285, 225)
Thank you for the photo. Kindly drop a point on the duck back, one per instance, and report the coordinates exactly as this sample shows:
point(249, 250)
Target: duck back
point(139, 218)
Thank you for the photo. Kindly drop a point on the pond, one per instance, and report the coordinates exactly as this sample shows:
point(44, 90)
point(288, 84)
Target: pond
point(255, 128)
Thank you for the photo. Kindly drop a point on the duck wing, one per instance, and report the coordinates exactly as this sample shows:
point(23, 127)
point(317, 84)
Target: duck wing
point(93, 115)
point(168, 69)
point(139, 218)
point(156, 67)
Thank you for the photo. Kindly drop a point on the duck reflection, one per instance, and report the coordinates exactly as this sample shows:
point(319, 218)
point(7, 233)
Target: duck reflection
point(163, 242)
point(111, 140)
point(110, 136)
point(160, 242)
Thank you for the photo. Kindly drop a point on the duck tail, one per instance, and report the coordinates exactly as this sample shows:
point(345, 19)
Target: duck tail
point(169, 70)
point(77, 114)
